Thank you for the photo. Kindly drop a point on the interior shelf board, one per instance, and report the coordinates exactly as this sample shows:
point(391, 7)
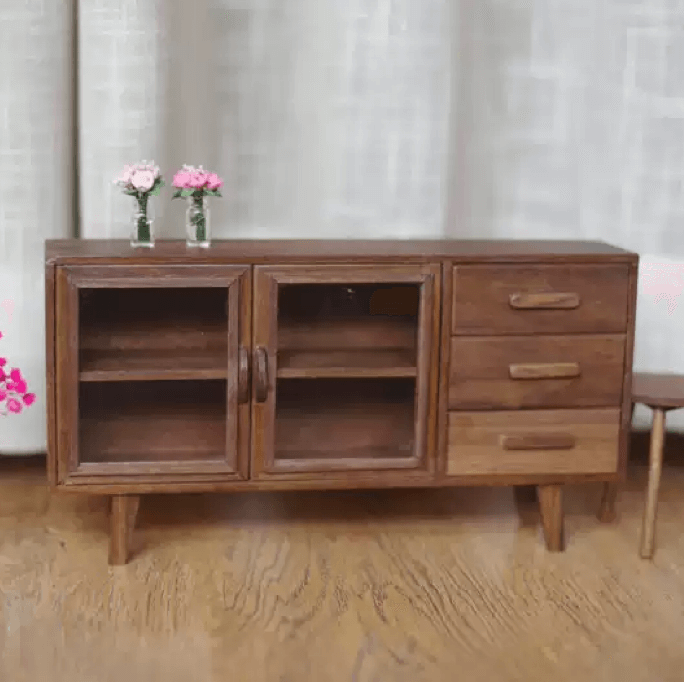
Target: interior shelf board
point(152, 365)
point(314, 363)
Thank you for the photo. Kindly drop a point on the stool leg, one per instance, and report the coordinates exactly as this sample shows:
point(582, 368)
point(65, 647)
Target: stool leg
point(656, 458)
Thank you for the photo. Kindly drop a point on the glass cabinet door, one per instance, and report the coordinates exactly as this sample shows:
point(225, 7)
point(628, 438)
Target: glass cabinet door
point(151, 371)
point(344, 360)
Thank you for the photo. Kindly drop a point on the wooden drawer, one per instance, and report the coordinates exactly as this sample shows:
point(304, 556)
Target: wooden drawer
point(538, 442)
point(535, 371)
point(531, 299)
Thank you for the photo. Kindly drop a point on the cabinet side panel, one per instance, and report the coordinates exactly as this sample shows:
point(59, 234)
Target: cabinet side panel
point(50, 397)
point(66, 374)
point(626, 417)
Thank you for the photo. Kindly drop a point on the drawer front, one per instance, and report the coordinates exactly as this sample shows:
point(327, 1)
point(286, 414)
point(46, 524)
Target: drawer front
point(530, 299)
point(535, 371)
point(545, 443)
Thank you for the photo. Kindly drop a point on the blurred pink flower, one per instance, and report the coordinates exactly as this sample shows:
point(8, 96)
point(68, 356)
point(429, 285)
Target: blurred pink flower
point(142, 180)
point(13, 405)
point(3, 394)
point(181, 179)
point(214, 182)
point(15, 374)
point(198, 179)
point(29, 399)
point(3, 362)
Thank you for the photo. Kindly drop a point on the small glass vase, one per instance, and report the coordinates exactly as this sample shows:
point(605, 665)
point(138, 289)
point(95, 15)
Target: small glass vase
point(197, 222)
point(142, 232)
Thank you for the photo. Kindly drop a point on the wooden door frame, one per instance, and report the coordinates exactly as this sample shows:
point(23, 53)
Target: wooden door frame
point(267, 279)
point(69, 279)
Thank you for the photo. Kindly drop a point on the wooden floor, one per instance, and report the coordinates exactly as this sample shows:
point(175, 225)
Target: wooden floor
point(369, 587)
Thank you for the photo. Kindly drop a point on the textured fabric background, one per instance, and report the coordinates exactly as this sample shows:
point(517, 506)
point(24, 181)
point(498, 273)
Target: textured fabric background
point(36, 189)
point(380, 118)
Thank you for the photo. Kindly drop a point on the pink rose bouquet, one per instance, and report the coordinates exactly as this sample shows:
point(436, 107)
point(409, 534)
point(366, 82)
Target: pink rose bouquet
point(196, 184)
point(14, 395)
point(141, 181)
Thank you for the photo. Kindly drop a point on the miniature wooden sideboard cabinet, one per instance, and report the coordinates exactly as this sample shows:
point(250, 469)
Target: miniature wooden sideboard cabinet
point(273, 365)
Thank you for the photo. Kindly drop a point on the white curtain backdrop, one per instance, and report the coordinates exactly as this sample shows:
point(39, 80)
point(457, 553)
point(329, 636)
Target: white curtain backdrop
point(36, 171)
point(344, 118)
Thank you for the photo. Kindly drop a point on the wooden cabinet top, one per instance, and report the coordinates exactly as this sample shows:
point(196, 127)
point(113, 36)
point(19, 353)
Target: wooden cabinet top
point(331, 250)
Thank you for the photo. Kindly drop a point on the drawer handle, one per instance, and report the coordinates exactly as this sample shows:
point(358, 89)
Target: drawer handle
point(544, 370)
point(545, 301)
point(538, 441)
point(261, 374)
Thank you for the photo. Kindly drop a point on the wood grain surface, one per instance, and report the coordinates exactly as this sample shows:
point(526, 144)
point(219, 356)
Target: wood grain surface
point(396, 586)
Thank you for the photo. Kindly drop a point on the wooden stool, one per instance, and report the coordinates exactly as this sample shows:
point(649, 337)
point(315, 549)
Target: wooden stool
point(660, 392)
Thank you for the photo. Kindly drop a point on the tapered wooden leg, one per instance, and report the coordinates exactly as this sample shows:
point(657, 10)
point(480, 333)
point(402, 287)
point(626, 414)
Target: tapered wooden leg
point(608, 498)
point(551, 508)
point(656, 458)
point(124, 513)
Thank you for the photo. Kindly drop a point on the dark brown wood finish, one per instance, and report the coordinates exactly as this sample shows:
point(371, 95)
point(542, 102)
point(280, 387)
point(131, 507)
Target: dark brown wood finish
point(505, 372)
point(132, 404)
point(336, 408)
point(536, 299)
point(275, 365)
point(51, 375)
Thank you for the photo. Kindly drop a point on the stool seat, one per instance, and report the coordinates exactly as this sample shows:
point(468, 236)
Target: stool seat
point(665, 391)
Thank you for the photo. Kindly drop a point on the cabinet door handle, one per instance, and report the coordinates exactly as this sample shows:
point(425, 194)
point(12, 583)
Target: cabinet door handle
point(544, 370)
point(243, 375)
point(544, 301)
point(538, 441)
point(261, 374)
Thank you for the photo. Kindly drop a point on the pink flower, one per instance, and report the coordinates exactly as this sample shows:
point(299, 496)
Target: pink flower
point(20, 387)
point(14, 406)
point(198, 179)
point(3, 376)
point(214, 182)
point(3, 362)
point(125, 177)
point(143, 180)
point(0, 335)
point(29, 399)
point(181, 179)
point(10, 386)
point(3, 395)
point(15, 374)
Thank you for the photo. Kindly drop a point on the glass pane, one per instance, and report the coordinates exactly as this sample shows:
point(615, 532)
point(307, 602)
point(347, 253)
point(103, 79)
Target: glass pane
point(151, 333)
point(344, 419)
point(152, 421)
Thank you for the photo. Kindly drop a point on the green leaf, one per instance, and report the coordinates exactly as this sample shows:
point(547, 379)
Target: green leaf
point(131, 192)
point(155, 190)
point(178, 193)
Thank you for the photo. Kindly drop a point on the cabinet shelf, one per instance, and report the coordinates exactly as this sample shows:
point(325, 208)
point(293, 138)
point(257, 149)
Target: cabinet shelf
point(152, 422)
point(152, 365)
point(351, 363)
point(354, 423)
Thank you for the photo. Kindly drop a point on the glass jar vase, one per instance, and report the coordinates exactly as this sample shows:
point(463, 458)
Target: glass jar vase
point(142, 228)
point(197, 222)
